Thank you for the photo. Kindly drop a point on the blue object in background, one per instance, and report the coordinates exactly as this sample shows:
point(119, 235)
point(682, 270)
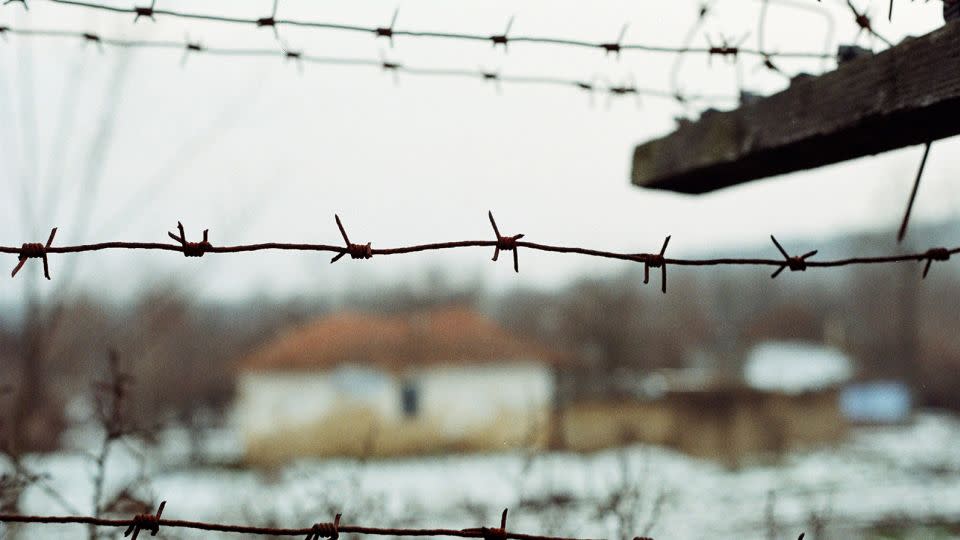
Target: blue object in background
point(876, 402)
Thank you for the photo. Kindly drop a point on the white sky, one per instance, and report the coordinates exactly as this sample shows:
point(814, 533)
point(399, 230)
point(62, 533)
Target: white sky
point(271, 153)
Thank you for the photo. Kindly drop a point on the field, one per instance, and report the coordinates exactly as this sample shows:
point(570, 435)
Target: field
point(866, 487)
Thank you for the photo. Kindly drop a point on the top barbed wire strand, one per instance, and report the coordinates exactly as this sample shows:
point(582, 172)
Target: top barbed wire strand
point(495, 39)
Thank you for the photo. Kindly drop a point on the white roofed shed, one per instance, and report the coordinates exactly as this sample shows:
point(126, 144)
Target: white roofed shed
point(796, 367)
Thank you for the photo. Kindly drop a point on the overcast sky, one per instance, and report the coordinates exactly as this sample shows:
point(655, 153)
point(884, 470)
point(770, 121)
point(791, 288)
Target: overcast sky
point(255, 150)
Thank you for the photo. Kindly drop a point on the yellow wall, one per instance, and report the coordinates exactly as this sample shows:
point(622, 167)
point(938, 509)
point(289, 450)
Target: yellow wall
point(360, 432)
point(726, 425)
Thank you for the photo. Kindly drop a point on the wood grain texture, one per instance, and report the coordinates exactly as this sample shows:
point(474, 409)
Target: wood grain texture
point(906, 95)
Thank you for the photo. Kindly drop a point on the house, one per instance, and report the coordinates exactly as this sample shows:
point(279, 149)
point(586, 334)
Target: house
point(357, 384)
point(787, 397)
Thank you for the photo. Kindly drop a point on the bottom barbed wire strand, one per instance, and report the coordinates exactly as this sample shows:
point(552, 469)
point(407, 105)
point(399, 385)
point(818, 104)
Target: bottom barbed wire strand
point(152, 522)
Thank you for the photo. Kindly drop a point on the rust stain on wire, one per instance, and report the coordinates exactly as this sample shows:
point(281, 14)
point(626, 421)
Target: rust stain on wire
point(514, 243)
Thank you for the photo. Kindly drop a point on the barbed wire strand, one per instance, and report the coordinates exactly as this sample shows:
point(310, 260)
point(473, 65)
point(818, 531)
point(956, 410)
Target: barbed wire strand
point(595, 84)
point(390, 32)
point(724, 49)
point(332, 530)
point(500, 243)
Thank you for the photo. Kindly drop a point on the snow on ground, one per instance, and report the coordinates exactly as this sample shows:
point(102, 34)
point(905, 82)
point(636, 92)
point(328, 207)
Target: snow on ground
point(911, 470)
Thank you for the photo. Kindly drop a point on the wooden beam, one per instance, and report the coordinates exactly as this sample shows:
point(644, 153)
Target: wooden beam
point(906, 95)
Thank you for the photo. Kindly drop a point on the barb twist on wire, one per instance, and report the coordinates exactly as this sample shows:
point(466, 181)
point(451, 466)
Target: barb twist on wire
point(192, 249)
point(35, 251)
point(795, 264)
point(935, 254)
point(145, 522)
point(505, 243)
point(356, 251)
point(656, 261)
point(325, 530)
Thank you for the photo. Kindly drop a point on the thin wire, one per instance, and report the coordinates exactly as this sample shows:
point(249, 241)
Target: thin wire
point(687, 41)
point(274, 22)
point(396, 67)
point(913, 194)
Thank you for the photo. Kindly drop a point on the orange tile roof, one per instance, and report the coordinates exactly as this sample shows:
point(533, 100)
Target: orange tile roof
point(448, 336)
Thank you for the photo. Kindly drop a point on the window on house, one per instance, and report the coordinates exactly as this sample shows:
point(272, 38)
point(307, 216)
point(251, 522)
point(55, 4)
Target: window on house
point(409, 399)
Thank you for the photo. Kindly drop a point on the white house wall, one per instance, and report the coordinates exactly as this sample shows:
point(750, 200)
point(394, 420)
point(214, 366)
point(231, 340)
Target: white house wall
point(354, 410)
point(467, 398)
point(276, 401)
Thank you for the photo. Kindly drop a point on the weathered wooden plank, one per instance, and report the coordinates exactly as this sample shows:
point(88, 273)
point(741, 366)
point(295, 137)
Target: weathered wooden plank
point(906, 95)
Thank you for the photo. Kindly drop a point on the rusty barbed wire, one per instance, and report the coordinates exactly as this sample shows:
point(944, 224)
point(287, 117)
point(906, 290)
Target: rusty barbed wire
point(34, 251)
point(723, 48)
point(154, 522)
point(501, 242)
point(390, 31)
point(188, 47)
